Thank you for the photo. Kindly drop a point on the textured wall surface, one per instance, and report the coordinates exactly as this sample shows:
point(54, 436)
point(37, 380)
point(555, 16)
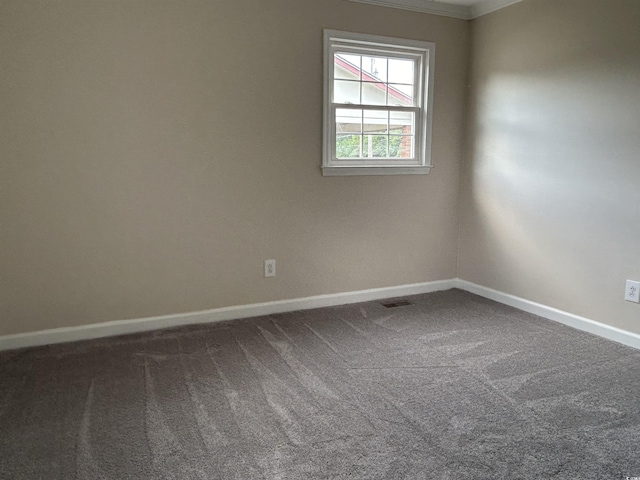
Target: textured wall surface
point(154, 153)
point(550, 207)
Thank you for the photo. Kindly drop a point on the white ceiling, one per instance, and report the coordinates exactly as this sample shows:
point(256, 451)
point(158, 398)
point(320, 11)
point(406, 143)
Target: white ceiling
point(465, 9)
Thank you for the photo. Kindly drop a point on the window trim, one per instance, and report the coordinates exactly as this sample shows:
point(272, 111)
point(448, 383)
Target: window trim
point(425, 52)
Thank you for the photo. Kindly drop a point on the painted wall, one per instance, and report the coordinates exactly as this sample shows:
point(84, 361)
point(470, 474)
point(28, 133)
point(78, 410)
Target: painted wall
point(155, 152)
point(550, 207)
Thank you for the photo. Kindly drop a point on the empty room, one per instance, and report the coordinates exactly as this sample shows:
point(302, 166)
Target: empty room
point(319, 239)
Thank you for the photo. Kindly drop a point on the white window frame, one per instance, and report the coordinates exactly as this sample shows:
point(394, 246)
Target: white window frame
point(423, 53)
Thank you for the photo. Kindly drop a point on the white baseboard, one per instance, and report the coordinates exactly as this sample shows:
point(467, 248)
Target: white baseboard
point(122, 327)
point(581, 323)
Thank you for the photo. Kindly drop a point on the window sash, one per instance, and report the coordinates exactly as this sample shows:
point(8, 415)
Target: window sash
point(417, 124)
point(418, 60)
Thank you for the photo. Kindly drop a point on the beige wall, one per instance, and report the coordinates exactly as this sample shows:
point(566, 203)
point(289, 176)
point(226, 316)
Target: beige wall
point(550, 205)
point(154, 153)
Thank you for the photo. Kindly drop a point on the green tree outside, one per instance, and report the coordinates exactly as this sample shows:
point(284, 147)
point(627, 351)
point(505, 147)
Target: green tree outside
point(348, 146)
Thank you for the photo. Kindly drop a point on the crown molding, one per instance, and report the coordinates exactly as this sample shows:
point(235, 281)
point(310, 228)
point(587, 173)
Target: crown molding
point(488, 6)
point(444, 9)
point(422, 6)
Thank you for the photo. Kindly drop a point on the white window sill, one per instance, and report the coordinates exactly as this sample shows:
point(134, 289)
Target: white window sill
point(369, 170)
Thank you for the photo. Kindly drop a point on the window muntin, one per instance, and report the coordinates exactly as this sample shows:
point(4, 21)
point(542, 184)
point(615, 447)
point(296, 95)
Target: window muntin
point(376, 104)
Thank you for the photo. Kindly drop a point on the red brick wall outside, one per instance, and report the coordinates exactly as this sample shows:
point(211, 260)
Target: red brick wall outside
point(405, 144)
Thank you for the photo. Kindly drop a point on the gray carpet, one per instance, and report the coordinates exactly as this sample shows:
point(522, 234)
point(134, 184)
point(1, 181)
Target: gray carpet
point(451, 387)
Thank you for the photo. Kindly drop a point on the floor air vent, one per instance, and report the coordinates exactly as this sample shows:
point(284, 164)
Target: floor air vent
point(402, 303)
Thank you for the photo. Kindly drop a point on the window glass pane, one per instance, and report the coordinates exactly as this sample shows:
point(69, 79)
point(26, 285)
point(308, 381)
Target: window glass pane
point(374, 69)
point(401, 71)
point(400, 95)
point(348, 121)
point(401, 139)
point(346, 66)
point(375, 121)
point(374, 146)
point(348, 146)
point(374, 94)
point(345, 91)
point(401, 123)
point(400, 146)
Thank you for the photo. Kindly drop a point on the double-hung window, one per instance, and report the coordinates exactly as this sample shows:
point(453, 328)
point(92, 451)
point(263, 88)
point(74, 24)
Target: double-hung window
point(378, 97)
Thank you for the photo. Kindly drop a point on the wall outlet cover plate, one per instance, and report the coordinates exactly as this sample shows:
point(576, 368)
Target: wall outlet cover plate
point(632, 291)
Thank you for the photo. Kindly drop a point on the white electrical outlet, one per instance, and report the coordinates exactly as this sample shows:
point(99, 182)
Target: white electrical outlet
point(269, 268)
point(632, 292)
